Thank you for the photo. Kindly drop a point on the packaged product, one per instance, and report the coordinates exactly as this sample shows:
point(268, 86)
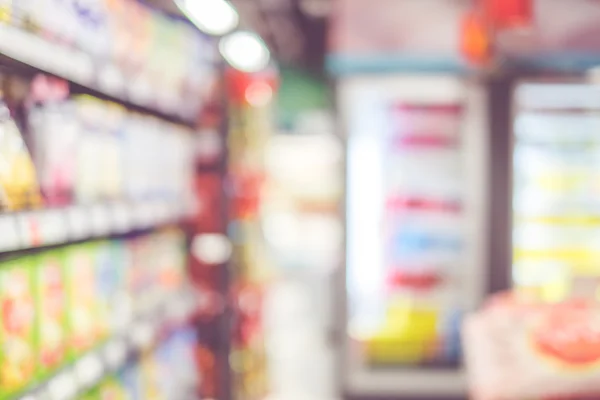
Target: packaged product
point(111, 389)
point(109, 280)
point(92, 27)
point(18, 183)
point(143, 278)
point(91, 149)
point(50, 311)
point(519, 348)
point(6, 11)
point(17, 326)
point(130, 379)
point(150, 377)
point(81, 288)
point(55, 131)
point(408, 336)
point(120, 304)
point(90, 395)
point(170, 245)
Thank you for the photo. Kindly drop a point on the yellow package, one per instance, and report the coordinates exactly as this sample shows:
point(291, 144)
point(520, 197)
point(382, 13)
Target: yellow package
point(18, 181)
point(409, 335)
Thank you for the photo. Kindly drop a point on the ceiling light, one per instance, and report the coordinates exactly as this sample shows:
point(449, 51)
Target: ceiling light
point(215, 17)
point(245, 51)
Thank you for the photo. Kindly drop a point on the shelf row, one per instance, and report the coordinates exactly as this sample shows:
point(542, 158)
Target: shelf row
point(144, 333)
point(80, 68)
point(47, 227)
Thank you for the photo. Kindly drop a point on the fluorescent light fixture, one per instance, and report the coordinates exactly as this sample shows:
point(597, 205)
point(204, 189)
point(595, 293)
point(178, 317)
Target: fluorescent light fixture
point(245, 51)
point(215, 17)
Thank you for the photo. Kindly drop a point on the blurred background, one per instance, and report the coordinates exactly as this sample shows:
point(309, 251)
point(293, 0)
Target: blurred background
point(299, 199)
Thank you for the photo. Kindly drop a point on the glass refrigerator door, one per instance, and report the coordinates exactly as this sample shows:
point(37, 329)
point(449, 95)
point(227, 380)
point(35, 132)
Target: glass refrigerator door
point(415, 181)
point(556, 189)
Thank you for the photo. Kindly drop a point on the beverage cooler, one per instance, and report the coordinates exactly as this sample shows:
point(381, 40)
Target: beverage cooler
point(555, 170)
point(416, 187)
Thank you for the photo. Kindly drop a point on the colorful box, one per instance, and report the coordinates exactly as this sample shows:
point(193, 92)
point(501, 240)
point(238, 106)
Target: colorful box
point(50, 296)
point(17, 327)
point(81, 298)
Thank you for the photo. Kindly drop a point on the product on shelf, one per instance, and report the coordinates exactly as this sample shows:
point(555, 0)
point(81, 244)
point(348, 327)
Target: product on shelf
point(18, 184)
point(108, 280)
point(18, 361)
point(545, 351)
point(166, 372)
point(88, 150)
point(137, 52)
point(81, 298)
point(54, 141)
point(59, 304)
point(51, 332)
point(556, 166)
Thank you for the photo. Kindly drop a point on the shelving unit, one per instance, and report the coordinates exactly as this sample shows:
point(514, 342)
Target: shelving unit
point(143, 333)
point(28, 50)
point(49, 227)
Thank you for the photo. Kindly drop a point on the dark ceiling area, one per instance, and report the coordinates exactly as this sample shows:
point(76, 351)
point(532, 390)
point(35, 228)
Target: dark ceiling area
point(294, 30)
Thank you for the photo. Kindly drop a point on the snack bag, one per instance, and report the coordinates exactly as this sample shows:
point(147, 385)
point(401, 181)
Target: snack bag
point(17, 327)
point(5, 11)
point(51, 311)
point(81, 298)
point(518, 348)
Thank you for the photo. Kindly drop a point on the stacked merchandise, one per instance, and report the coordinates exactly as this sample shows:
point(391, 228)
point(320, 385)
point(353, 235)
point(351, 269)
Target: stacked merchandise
point(91, 173)
point(60, 304)
point(208, 267)
point(250, 127)
point(555, 192)
point(121, 47)
point(88, 150)
point(167, 372)
point(423, 239)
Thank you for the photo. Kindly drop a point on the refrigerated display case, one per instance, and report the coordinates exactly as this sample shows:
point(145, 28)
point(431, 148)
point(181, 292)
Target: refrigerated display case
point(555, 169)
point(416, 187)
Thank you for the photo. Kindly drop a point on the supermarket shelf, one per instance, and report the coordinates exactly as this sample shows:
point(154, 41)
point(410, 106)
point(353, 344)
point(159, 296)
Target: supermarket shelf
point(81, 69)
point(143, 334)
point(48, 227)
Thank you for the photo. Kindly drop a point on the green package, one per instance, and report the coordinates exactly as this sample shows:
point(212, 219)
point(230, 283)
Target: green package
point(51, 307)
point(81, 297)
point(17, 327)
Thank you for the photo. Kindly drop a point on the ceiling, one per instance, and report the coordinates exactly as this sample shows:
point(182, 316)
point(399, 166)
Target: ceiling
point(294, 30)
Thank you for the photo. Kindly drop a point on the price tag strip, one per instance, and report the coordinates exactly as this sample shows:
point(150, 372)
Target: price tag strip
point(26, 230)
point(9, 234)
